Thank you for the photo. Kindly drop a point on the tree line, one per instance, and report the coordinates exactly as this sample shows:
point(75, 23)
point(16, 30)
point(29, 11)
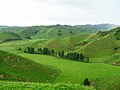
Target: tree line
point(61, 54)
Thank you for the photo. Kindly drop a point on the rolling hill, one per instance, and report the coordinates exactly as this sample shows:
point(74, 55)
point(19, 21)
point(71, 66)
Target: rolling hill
point(73, 71)
point(55, 31)
point(102, 47)
point(112, 83)
point(17, 68)
point(41, 86)
point(106, 44)
point(101, 43)
point(9, 36)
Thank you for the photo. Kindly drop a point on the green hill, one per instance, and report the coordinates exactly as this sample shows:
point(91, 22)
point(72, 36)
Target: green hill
point(54, 31)
point(16, 68)
point(101, 47)
point(9, 36)
point(67, 43)
point(105, 44)
point(112, 83)
point(41, 86)
point(74, 71)
point(113, 59)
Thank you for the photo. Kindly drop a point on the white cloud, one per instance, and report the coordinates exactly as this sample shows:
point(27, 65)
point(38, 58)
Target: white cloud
point(47, 12)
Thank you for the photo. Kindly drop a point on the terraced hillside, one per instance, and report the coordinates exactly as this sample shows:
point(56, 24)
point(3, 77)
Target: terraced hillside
point(16, 68)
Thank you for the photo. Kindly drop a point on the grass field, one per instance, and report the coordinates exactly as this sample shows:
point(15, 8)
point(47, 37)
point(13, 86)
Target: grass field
point(16, 68)
point(112, 83)
point(76, 72)
point(41, 86)
point(103, 66)
point(4, 37)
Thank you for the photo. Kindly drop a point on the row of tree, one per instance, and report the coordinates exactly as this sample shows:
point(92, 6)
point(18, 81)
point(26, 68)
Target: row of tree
point(61, 54)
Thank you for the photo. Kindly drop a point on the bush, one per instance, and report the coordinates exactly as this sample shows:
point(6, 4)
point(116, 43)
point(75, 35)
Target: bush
point(86, 82)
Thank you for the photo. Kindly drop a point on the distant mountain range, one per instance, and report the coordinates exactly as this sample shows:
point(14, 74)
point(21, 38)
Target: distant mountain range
point(53, 31)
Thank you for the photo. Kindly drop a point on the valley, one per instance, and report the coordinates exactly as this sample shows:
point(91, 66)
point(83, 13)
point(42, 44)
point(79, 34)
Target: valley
point(35, 70)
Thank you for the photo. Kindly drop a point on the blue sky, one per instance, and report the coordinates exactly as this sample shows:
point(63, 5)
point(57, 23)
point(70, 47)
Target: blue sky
point(49, 12)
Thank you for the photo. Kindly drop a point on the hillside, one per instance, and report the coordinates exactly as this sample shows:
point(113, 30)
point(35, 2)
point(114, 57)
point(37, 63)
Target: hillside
point(68, 43)
point(16, 68)
point(107, 43)
point(9, 36)
point(112, 83)
point(102, 47)
point(41, 86)
point(73, 71)
point(54, 31)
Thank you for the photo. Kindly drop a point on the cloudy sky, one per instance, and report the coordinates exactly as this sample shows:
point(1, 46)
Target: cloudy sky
point(49, 12)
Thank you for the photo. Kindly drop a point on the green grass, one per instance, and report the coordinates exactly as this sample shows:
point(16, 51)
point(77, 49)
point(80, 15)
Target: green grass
point(41, 86)
point(67, 43)
point(11, 46)
point(76, 72)
point(58, 44)
point(17, 68)
point(4, 37)
point(112, 83)
point(114, 59)
point(99, 48)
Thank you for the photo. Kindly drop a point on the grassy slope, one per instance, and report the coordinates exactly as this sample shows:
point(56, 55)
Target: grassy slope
point(98, 48)
point(114, 59)
point(101, 47)
point(11, 46)
point(16, 68)
point(112, 83)
point(41, 86)
point(8, 36)
point(58, 44)
point(76, 72)
point(68, 43)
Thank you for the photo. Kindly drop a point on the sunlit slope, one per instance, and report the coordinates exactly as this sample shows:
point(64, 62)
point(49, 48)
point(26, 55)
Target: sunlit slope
point(9, 36)
point(17, 68)
point(74, 71)
point(4, 85)
point(112, 83)
point(68, 43)
point(101, 47)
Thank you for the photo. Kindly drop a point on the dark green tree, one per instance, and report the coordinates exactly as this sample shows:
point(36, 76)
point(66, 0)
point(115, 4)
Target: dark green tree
point(44, 50)
point(19, 48)
point(48, 51)
point(40, 51)
point(86, 59)
point(68, 56)
point(52, 52)
point(62, 54)
point(81, 57)
point(86, 82)
point(30, 50)
point(59, 53)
